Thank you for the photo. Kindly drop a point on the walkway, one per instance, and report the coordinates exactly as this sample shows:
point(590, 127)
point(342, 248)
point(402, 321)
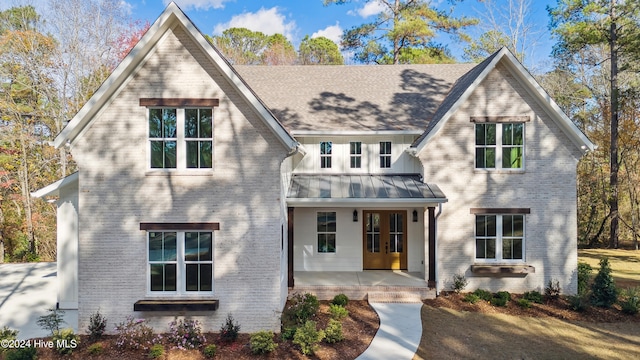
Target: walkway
point(399, 334)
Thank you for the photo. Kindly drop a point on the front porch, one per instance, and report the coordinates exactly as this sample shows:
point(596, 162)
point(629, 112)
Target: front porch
point(383, 285)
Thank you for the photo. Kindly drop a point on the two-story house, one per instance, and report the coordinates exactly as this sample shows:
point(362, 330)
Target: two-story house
point(205, 189)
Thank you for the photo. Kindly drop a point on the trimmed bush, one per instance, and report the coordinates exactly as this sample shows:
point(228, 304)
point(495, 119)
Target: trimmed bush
point(579, 302)
point(209, 351)
point(97, 325)
point(603, 290)
point(631, 301)
point(524, 303)
point(7, 334)
point(459, 283)
point(333, 332)
point(483, 294)
point(584, 277)
point(156, 351)
point(302, 307)
point(262, 342)
point(534, 296)
point(307, 337)
point(338, 312)
point(471, 298)
point(67, 340)
point(340, 299)
point(95, 349)
point(27, 353)
point(229, 330)
point(288, 333)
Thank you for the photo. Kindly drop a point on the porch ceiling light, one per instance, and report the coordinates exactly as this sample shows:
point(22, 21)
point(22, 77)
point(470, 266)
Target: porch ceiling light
point(415, 215)
point(355, 215)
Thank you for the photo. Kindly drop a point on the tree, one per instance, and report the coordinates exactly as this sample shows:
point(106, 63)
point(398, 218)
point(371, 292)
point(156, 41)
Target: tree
point(584, 24)
point(241, 46)
point(603, 289)
point(279, 51)
point(319, 51)
point(403, 29)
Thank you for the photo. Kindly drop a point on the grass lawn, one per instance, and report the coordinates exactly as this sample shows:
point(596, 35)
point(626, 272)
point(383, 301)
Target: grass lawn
point(625, 264)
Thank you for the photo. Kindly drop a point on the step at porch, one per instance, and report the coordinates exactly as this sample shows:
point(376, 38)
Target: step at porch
point(371, 293)
point(394, 297)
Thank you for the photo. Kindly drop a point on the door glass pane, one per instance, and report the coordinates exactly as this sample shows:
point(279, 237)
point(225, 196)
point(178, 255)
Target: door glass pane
point(400, 247)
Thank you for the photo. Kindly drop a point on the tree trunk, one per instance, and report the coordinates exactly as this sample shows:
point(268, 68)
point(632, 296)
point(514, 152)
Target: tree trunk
point(613, 178)
point(396, 41)
point(26, 196)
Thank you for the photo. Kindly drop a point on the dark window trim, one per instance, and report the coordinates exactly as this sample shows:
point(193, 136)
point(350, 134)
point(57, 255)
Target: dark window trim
point(499, 211)
point(499, 119)
point(180, 226)
point(176, 305)
point(179, 102)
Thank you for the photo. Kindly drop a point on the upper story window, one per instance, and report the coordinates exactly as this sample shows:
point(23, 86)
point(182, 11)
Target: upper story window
point(355, 151)
point(499, 145)
point(180, 133)
point(325, 154)
point(500, 237)
point(385, 154)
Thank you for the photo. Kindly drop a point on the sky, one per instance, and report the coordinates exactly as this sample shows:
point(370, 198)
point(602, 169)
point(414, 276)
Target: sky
point(297, 18)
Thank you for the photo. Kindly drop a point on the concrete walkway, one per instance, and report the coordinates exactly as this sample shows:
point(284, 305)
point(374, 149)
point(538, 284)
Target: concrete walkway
point(27, 291)
point(399, 334)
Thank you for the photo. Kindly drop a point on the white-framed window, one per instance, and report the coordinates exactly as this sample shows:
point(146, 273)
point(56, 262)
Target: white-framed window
point(500, 237)
point(355, 154)
point(326, 231)
point(180, 138)
point(499, 146)
point(385, 154)
point(325, 154)
point(180, 262)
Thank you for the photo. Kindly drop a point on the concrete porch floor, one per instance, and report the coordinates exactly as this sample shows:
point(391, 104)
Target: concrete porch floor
point(384, 285)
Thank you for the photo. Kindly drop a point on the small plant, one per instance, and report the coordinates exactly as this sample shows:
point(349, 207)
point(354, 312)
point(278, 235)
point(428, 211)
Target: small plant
point(340, 299)
point(52, 321)
point(552, 291)
point(185, 334)
point(501, 298)
point(534, 296)
point(483, 294)
point(95, 349)
point(471, 298)
point(262, 342)
point(288, 332)
point(524, 303)
point(229, 330)
point(307, 337)
point(579, 302)
point(156, 351)
point(631, 303)
point(7, 334)
point(210, 351)
point(333, 332)
point(66, 341)
point(603, 290)
point(302, 307)
point(26, 353)
point(584, 275)
point(338, 312)
point(459, 283)
point(97, 325)
point(134, 334)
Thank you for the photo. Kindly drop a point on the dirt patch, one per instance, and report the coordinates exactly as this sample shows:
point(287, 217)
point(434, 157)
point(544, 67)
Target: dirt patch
point(358, 328)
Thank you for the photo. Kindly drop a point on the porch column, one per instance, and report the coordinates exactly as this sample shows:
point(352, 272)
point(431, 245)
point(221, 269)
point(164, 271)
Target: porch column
point(290, 247)
point(432, 248)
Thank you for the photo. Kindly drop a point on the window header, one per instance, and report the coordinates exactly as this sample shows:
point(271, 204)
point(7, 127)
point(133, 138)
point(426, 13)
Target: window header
point(499, 119)
point(179, 102)
point(499, 211)
point(180, 226)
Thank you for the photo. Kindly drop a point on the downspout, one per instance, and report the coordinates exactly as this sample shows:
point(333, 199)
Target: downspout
point(436, 247)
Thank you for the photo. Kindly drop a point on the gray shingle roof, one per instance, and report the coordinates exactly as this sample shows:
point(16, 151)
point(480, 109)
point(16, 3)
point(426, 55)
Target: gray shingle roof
point(342, 98)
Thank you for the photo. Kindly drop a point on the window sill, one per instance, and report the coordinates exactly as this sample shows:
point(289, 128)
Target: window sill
point(179, 172)
point(498, 171)
point(504, 269)
point(176, 305)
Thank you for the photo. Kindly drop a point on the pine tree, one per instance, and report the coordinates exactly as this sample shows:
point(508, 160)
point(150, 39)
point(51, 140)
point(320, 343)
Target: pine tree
point(603, 289)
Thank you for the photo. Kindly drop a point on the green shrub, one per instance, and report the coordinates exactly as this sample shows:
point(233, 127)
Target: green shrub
point(97, 325)
point(471, 298)
point(229, 330)
point(288, 332)
point(209, 351)
point(7, 334)
point(52, 321)
point(307, 337)
point(524, 303)
point(579, 302)
point(503, 295)
point(499, 301)
point(95, 349)
point(459, 283)
point(552, 291)
point(630, 302)
point(156, 351)
point(26, 353)
point(584, 276)
point(340, 299)
point(262, 342)
point(333, 332)
point(483, 294)
point(66, 341)
point(302, 307)
point(603, 290)
point(338, 312)
point(534, 296)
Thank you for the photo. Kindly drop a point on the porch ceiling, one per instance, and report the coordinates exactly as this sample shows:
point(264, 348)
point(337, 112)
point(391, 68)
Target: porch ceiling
point(362, 190)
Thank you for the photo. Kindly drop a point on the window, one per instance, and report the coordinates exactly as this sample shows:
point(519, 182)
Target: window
point(499, 145)
point(356, 154)
point(499, 237)
point(181, 138)
point(180, 262)
point(326, 232)
point(325, 154)
point(385, 154)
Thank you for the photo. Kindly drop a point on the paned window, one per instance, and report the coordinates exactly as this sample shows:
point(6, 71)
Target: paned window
point(499, 146)
point(355, 151)
point(199, 138)
point(326, 226)
point(163, 138)
point(325, 154)
point(499, 237)
point(180, 262)
point(385, 154)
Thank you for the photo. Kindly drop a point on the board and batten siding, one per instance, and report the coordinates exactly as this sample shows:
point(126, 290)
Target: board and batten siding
point(547, 187)
point(242, 193)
